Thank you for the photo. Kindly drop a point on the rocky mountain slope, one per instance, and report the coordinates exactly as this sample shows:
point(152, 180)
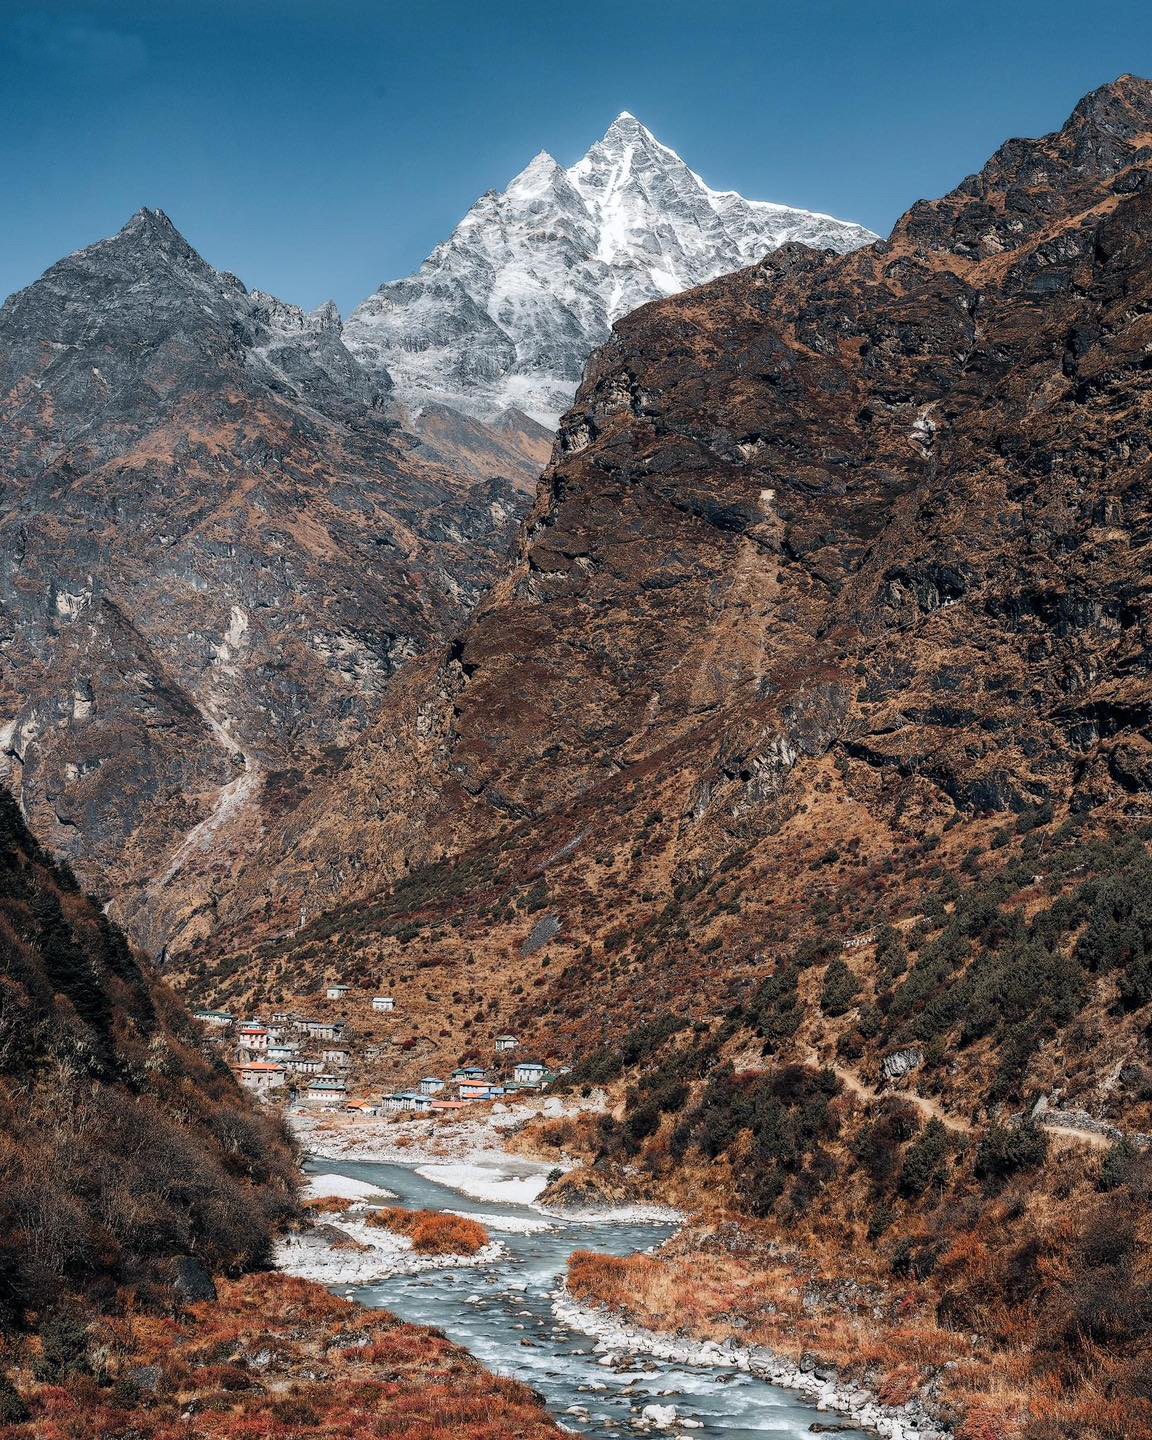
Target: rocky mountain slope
point(215, 552)
point(795, 785)
point(506, 311)
point(837, 550)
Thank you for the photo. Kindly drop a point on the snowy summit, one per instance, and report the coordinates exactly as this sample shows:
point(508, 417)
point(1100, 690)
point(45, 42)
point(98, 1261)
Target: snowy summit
point(507, 310)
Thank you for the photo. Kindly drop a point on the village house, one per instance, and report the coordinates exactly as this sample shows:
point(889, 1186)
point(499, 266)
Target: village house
point(282, 1017)
point(506, 1042)
point(337, 992)
point(253, 1037)
point(260, 1075)
point(408, 1100)
point(282, 1054)
point(306, 1065)
point(326, 1090)
point(472, 1090)
point(383, 1003)
point(362, 1107)
point(469, 1072)
point(338, 1058)
point(529, 1072)
point(321, 1029)
point(216, 1018)
point(449, 1107)
point(430, 1085)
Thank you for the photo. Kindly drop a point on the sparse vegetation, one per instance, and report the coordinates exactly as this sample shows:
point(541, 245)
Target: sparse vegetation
point(276, 1359)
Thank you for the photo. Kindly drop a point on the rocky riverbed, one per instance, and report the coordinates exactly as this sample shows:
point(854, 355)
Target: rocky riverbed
point(510, 1307)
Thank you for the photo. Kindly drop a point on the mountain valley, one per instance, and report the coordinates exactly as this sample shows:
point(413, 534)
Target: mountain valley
point(775, 770)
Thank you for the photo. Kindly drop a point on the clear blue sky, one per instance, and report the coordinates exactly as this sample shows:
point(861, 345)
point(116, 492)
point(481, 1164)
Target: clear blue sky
point(319, 147)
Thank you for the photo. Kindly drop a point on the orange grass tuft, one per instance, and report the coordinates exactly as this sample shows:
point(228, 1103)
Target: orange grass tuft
point(433, 1233)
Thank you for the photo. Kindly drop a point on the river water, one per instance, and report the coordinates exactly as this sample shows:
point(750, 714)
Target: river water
point(502, 1313)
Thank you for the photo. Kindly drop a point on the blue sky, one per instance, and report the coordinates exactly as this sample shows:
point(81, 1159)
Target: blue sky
point(319, 147)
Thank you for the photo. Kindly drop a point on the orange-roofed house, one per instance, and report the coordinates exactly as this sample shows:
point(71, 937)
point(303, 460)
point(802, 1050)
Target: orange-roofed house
point(259, 1075)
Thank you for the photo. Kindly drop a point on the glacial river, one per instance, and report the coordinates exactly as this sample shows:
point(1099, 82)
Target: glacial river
point(502, 1313)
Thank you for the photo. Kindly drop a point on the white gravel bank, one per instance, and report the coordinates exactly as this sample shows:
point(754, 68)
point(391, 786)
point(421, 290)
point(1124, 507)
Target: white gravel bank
point(616, 1339)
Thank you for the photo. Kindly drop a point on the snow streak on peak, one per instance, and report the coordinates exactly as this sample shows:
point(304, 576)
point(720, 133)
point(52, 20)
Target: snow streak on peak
point(506, 311)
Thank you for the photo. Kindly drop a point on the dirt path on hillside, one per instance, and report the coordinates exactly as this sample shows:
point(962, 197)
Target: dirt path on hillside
point(932, 1108)
point(1062, 1135)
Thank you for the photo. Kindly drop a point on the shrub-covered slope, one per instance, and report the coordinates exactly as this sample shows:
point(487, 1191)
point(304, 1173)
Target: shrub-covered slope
point(125, 1152)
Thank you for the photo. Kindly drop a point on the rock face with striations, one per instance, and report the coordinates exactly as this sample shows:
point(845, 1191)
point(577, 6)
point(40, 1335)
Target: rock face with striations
point(836, 549)
point(215, 552)
point(506, 312)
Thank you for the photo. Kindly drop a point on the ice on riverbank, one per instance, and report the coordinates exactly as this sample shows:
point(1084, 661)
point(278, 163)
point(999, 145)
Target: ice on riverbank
point(484, 1182)
point(343, 1187)
point(355, 1253)
point(510, 1224)
point(638, 1214)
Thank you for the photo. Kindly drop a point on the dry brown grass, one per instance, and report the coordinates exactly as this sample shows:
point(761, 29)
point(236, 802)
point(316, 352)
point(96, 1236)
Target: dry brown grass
point(277, 1359)
point(432, 1232)
point(797, 1294)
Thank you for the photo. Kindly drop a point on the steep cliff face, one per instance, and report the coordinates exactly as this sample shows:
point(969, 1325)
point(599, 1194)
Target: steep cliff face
point(833, 552)
point(507, 310)
point(215, 552)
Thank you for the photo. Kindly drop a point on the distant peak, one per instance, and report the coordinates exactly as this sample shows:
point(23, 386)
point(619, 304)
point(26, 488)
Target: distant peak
point(537, 175)
point(152, 230)
point(146, 220)
point(627, 124)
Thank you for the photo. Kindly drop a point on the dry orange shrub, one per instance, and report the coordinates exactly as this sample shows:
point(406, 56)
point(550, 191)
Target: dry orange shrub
point(433, 1233)
point(327, 1205)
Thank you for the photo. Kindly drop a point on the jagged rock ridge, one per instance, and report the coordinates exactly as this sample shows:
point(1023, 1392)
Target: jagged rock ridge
point(216, 549)
point(506, 312)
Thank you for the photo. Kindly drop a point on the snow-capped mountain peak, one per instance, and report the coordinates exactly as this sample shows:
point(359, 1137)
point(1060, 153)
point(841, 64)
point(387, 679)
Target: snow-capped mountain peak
point(506, 311)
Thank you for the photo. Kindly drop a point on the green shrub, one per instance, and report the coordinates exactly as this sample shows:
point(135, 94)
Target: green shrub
point(840, 989)
point(13, 1410)
point(1005, 1150)
point(925, 1165)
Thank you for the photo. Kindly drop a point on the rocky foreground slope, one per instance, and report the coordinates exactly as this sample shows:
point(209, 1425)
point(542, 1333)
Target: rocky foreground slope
point(506, 312)
point(131, 1161)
